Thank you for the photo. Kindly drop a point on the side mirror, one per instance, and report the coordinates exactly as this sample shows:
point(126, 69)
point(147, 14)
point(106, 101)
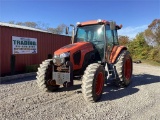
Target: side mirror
point(112, 25)
point(67, 30)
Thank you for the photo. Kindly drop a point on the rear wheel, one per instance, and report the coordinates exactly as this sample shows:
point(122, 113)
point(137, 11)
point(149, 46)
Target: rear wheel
point(123, 69)
point(93, 82)
point(44, 76)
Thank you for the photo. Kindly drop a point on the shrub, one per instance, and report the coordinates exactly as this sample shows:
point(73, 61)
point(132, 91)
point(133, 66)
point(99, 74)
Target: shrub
point(31, 68)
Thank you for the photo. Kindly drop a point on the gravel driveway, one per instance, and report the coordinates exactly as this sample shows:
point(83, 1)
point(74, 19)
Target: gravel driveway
point(22, 99)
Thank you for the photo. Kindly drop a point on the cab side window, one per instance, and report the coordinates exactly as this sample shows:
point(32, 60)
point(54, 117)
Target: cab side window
point(115, 37)
point(109, 35)
point(109, 38)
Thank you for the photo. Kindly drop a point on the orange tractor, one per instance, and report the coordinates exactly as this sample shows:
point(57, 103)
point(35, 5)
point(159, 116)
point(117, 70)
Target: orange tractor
point(94, 55)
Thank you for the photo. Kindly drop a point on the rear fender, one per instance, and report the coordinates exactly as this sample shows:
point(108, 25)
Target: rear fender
point(115, 52)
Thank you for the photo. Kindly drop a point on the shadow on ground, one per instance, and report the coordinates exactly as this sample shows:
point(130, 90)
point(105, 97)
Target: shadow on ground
point(112, 92)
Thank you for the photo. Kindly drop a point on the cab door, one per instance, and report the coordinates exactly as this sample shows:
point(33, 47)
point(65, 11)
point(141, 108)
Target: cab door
point(111, 41)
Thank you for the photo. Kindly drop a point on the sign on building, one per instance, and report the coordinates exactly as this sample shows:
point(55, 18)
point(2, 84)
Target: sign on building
point(23, 45)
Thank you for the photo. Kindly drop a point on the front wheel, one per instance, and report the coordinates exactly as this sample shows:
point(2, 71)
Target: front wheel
point(93, 82)
point(124, 69)
point(44, 76)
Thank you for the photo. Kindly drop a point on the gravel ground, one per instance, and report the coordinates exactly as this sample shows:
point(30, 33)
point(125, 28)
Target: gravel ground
point(22, 99)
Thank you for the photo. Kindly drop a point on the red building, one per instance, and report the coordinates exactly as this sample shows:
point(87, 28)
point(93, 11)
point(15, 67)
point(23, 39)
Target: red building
point(20, 41)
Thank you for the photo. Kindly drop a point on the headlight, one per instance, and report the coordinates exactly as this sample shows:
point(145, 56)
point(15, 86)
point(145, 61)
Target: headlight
point(64, 55)
point(60, 59)
point(56, 56)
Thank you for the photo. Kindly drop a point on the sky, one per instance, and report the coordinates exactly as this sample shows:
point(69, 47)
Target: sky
point(134, 15)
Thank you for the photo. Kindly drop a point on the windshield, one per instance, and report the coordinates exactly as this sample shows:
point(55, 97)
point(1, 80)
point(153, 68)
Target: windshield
point(93, 33)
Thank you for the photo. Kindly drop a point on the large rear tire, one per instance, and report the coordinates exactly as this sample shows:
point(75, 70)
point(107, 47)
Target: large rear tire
point(44, 76)
point(93, 82)
point(124, 69)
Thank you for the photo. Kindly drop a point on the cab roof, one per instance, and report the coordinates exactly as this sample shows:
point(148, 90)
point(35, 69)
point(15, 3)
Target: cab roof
point(94, 22)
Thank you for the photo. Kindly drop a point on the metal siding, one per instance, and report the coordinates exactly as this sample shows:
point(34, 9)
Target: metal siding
point(47, 43)
point(5, 49)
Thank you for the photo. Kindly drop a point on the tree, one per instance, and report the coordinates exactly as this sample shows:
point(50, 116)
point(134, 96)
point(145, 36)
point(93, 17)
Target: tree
point(152, 35)
point(11, 22)
point(123, 40)
point(139, 47)
point(51, 30)
point(154, 54)
point(59, 30)
point(20, 23)
point(145, 45)
point(153, 32)
point(31, 24)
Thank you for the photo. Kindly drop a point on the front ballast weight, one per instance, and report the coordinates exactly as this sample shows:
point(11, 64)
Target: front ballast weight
point(64, 78)
point(48, 79)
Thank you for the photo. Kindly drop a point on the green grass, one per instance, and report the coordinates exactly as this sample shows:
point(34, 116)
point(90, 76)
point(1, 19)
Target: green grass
point(31, 68)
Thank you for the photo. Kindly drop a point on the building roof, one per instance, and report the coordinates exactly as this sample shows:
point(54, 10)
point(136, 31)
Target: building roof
point(21, 27)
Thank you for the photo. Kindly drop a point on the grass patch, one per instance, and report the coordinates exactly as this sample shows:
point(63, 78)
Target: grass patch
point(31, 68)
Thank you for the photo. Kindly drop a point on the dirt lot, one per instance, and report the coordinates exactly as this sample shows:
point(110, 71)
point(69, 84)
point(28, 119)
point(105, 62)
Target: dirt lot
point(21, 99)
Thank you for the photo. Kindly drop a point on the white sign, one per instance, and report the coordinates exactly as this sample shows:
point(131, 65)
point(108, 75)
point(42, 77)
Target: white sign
point(23, 45)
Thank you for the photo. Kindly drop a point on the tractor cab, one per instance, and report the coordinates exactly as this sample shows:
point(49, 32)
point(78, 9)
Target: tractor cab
point(101, 33)
point(93, 34)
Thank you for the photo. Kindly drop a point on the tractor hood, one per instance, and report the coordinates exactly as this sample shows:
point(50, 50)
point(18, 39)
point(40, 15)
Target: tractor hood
point(72, 48)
